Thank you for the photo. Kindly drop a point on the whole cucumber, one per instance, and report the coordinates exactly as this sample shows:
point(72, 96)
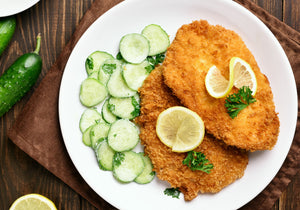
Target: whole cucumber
point(7, 29)
point(19, 78)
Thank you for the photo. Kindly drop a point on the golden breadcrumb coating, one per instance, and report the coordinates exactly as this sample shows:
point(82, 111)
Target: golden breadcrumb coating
point(196, 48)
point(229, 162)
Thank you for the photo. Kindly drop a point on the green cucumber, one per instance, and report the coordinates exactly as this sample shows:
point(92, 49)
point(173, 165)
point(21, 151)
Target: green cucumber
point(123, 135)
point(7, 30)
point(135, 74)
point(148, 174)
point(134, 48)
point(19, 78)
point(158, 38)
point(92, 92)
point(127, 166)
point(95, 60)
point(105, 156)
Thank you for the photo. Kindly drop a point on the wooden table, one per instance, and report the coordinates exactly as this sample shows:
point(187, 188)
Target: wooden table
point(57, 20)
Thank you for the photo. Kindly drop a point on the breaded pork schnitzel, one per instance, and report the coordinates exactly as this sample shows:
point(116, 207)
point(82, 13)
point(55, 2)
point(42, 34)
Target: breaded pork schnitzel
point(197, 47)
point(229, 162)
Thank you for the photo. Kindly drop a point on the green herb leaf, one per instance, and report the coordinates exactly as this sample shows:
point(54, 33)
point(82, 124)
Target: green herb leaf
point(90, 63)
point(109, 68)
point(154, 61)
point(236, 102)
point(149, 69)
point(111, 107)
point(118, 158)
point(136, 105)
point(174, 192)
point(197, 161)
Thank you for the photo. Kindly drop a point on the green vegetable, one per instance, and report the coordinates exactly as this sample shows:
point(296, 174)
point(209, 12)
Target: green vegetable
point(19, 78)
point(136, 105)
point(197, 161)
point(236, 102)
point(174, 192)
point(118, 158)
point(109, 68)
point(7, 29)
point(154, 61)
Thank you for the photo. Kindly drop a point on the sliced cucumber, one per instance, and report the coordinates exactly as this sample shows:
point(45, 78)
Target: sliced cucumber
point(98, 133)
point(125, 108)
point(134, 48)
point(105, 156)
point(107, 68)
point(148, 174)
point(95, 60)
point(123, 135)
point(135, 74)
point(94, 75)
point(92, 92)
point(107, 115)
point(86, 137)
point(117, 87)
point(158, 38)
point(127, 166)
point(88, 118)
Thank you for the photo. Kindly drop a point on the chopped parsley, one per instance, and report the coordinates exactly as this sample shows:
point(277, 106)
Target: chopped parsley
point(90, 63)
point(109, 68)
point(118, 158)
point(174, 192)
point(236, 102)
point(154, 61)
point(136, 105)
point(197, 161)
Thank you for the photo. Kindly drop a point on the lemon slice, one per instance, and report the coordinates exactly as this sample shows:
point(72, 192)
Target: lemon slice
point(33, 201)
point(180, 129)
point(216, 84)
point(243, 74)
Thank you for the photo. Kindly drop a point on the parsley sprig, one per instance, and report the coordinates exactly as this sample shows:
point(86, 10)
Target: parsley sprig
point(197, 161)
point(174, 192)
point(236, 102)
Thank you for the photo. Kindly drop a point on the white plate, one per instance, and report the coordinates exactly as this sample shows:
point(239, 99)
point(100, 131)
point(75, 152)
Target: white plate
point(132, 16)
point(11, 7)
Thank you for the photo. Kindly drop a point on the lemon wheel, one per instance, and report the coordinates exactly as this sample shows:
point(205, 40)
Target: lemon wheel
point(180, 129)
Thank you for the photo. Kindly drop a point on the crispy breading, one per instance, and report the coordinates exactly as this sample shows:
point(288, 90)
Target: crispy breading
point(229, 162)
point(197, 47)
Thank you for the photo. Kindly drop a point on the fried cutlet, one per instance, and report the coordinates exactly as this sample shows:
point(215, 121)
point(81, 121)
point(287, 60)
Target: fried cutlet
point(197, 47)
point(229, 162)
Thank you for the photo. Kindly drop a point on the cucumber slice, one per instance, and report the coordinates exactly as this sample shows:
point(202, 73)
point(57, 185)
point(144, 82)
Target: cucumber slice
point(117, 87)
point(98, 133)
point(107, 115)
point(107, 68)
point(105, 156)
point(158, 38)
point(125, 108)
point(86, 137)
point(92, 92)
point(123, 135)
point(148, 174)
point(88, 118)
point(134, 48)
point(95, 60)
point(127, 166)
point(135, 74)
point(94, 75)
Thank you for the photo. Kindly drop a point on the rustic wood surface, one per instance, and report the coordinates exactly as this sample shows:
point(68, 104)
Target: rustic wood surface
point(57, 20)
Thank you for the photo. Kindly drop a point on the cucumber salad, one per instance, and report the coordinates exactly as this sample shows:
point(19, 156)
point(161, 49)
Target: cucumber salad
point(110, 95)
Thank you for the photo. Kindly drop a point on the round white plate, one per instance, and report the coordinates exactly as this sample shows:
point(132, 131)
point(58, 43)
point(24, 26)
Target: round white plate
point(132, 16)
point(11, 7)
